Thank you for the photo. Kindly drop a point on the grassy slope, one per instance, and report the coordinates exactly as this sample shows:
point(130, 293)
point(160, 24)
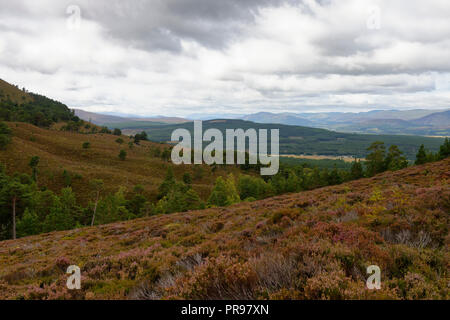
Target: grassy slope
point(308, 245)
point(15, 94)
point(61, 151)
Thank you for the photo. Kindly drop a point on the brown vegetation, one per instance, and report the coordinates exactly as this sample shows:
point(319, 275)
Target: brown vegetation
point(312, 245)
point(63, 150)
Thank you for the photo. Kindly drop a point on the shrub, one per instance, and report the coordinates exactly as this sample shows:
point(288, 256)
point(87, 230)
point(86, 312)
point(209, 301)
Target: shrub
point(122, 155)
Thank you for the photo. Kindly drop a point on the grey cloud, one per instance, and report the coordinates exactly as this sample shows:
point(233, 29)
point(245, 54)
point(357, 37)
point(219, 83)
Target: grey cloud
point(155, 24)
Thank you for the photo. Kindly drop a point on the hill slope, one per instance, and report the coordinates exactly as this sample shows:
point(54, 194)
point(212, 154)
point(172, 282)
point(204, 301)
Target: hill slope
point(62, 150)
point(12, 92)
point(24, 106)
point(311, 245)
point(112, 121)
point(438, 119)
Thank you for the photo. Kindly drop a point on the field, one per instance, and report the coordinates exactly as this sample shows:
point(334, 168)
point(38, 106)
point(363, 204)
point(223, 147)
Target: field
point(310, 245)
point(312, 161)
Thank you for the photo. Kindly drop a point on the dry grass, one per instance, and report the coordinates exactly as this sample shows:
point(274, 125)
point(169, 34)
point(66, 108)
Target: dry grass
point(61, 150)
point(16, 95)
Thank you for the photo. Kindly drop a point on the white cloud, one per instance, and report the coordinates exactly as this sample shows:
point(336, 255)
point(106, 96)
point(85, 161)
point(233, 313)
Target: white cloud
point(151, 58)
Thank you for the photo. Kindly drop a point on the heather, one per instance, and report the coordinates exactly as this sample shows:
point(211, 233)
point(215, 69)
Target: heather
point(310, 245)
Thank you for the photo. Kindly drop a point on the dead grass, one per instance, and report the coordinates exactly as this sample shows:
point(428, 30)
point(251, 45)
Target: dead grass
point(61, 150)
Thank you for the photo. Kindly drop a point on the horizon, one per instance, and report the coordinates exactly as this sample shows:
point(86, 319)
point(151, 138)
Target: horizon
point(236, 116)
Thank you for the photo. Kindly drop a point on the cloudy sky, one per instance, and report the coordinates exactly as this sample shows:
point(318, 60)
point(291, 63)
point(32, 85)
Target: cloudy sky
point(181, 57)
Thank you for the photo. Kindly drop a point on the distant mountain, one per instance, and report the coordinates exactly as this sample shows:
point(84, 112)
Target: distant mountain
point(438, 119)
point(282, 118)
point(105, 119)
point(412, 122)
point(335, 117)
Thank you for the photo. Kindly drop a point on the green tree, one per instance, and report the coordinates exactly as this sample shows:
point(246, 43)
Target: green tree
point(167, 185)
point(253, 187)
point(29, 224)
point(224, 192)
point(63, 214)
point(395, 159)
point(375, 159)
point(137, 203)
point(334, 177)
point(192, 200)
point(5, 135)
point(187, 178)
point(421, 156)
point(86, 145)
point(181, 198)
point(13, 192)
point(140, 137)
point(444, 150)
point(356, 171)
point(117, 132)
point(122, 155)
point(34, 162)
point(113, 208)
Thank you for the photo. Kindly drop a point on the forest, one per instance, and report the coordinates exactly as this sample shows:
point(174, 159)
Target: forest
point(303, 140)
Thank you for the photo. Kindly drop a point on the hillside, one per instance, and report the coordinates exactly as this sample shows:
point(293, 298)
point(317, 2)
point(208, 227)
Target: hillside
point(439, 119)
point(118, 122)
point(282, 118)
point(12, 92)
point(62, 150)
point(23, 106)
point(308, 141)
point(311, 245)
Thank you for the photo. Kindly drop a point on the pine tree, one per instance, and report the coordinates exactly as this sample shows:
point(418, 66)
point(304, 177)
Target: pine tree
point(395, 159)
point(444, 150)
point(122, 155)
point(5, 135)
point(421, 156)
point(334, 177)
point(224, 192)
point(187, 178)
point(167, 185)
point(13, 192)
point(29, 224)
point(34, 162)
point(375, 159)
point(356, 171)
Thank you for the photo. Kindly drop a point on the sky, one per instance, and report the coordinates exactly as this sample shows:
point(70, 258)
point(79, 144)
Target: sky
point(184, 57)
